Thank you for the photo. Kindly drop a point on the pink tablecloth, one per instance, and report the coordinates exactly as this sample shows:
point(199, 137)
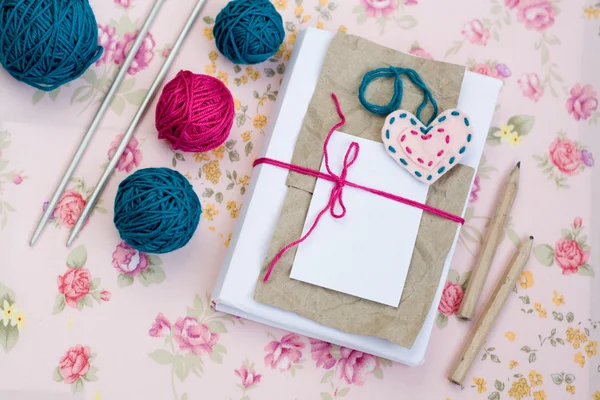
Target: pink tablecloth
point(104, 320)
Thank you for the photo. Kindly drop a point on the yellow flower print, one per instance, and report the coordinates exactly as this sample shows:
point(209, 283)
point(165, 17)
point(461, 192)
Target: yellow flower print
point(570, 389)
point(526, 279)
point(504, 132)
point(343, 28)
point(188, 176)
point(212, 56)
point(260, 121)
point(323, 2)
point(298, 10)
point(212, 228)
point(592, 12)
point(591, 348)
point(244, 79)
point(320, 24)
point(19, 320)
point(292, 38)
point(480, 384)
point(513, 364)
point(208, 33)
point(97, 395)
point(210, 211)
point(210, 69)
point(237, 104)
point(558, 300)
point(233, 210)
point(280, 51)
point(596, 396)
point(246, 136)
point(539, 395)
point(306, 18)
point(287, 56)
point(199, 157)
point(70, 323)
point(222, 76)
point(249, 69)
point(280, 4)
point(244, 180)
point(519, 389)
point(535, 378)
point(219, 152)
point(8, 313)
point(255, 75)
point(570, 334)
point(541, 311)
point(514, 139)
point(228, 240)
point(510, 335)
point(579, 359)
point(212, 171)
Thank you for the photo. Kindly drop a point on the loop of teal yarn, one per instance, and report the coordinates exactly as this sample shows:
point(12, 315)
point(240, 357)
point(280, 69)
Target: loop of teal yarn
point(396, 100)
point(248, 31)
point(156, 210)
point(47, 43)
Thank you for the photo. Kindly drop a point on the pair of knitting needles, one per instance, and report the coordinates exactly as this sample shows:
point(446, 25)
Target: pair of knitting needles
point(93, 199)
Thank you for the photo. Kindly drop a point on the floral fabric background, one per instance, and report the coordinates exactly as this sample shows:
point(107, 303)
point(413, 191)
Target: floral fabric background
point(107, 322)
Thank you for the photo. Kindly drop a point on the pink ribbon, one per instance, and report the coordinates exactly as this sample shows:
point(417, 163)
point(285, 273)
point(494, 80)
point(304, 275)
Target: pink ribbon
point(340, 182)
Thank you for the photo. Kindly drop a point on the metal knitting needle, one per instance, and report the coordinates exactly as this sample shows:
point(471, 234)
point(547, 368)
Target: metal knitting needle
point(96, 120)
point(91, 201)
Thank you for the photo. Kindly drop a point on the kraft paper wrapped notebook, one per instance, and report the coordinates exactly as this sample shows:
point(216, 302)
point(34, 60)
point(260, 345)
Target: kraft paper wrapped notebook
point(307, 292)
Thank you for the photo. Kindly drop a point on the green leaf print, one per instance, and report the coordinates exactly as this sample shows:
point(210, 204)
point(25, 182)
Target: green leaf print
point(162, 357)
point(77, 258)
point(544, 254)
point(522, 124)
point(9, 336)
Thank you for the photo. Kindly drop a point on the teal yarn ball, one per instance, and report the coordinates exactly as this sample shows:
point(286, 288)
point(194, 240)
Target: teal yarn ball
point(47, 43)
point(156, 210)
point(248, 31)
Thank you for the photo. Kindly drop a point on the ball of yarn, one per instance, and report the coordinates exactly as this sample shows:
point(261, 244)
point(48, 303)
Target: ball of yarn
point(248, 31)
point(195, 112)
point(47, 43)
point(156, 210)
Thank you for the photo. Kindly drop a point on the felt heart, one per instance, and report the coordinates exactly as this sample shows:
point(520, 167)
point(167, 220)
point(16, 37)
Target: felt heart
point(427, 152)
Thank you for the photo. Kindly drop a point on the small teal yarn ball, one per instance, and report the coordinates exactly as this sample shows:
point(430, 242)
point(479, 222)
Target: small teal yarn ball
point(47, 43)
point(248, 31)
point(156, 210)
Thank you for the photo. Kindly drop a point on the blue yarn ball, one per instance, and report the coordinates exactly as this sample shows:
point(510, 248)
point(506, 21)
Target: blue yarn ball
point(248, 31)
point(156, 210)
point(47, 43)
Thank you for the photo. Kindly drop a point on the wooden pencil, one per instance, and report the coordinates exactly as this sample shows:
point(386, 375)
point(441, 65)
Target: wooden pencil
point(503, 289)
point(490, 244)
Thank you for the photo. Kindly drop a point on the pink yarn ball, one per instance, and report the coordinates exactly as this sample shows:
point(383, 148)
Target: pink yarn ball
point(195, 112)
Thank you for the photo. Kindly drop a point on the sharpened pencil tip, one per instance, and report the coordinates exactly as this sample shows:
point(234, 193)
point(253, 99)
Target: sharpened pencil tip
point(531, 237)
point(519, 164)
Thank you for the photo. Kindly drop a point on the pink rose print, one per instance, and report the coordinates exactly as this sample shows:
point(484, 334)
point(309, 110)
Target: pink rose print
point(74, 285)
point(511, 3)
point(281, 355)
point(379, 8)
point(411, 2)
point(131, 157)
point(124, 3)
point(530, 86)
point(107, 38)
point(69, 208)
point(354, 366)
point(193, 336)
point(166, 52)
point(17, 179)
point(74, 364)
point(321, 352)
point(451, 298)
point(485, 69)
point(565, 155)
point(536, 14)
point(128, 260)
point(248, 377)
point(476, 33)
point(569, 256)
point(577, 222)
point(475, 190)
point(161, 327)
point(143, 57)
point(582, 103)
point(419, 52)
point(105, 295)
